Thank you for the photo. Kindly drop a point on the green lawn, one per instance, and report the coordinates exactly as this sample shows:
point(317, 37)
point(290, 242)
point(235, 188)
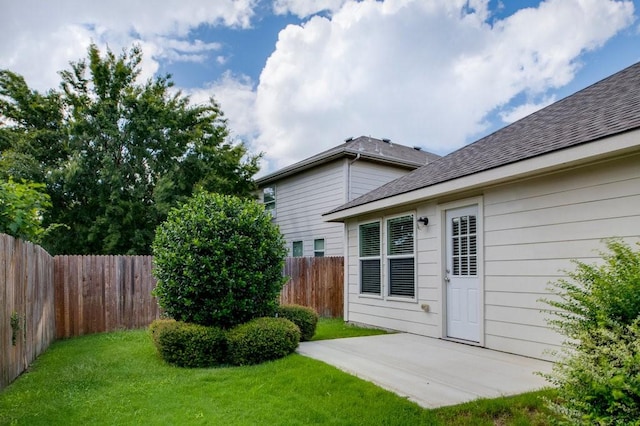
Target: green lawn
point(336, 328)
point(118, 378)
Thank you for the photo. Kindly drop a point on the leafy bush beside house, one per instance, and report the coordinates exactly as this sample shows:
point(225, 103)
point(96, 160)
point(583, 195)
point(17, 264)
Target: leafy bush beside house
point(598, 379)
point(218, 261)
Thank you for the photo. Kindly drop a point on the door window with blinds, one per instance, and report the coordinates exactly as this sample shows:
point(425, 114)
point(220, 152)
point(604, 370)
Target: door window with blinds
point(400, 256)
point(464, 260)
point(370, 271)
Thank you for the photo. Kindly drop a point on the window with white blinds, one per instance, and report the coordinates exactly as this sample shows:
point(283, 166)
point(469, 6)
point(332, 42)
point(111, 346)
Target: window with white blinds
point(370, 270)
point(400, 256)
point(464, 244)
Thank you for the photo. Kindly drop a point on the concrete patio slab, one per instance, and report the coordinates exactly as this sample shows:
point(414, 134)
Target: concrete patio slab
point(430, 372)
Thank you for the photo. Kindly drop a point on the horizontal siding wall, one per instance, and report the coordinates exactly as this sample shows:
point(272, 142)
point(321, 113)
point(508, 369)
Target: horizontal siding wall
point(302, 199)
point(407, 316)
point(532, 231)
point(367, 176)
point(300, 202)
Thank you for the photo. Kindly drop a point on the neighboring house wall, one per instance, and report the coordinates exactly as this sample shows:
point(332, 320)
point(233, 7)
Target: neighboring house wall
point(366, 176)
point(529, 232)
point(301, 199)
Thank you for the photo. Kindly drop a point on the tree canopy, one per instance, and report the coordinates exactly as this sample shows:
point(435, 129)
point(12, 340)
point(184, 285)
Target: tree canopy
point(21, 208)
point(115, 154)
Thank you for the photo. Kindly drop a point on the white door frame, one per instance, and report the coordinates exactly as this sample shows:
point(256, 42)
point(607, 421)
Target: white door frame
point(442, 247)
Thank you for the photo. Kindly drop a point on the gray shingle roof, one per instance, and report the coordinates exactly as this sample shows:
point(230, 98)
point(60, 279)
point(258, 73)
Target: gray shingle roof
point(369, 148)
point(604, 109)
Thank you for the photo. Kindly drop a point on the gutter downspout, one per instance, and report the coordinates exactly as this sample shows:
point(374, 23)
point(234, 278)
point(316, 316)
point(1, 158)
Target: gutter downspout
point(349, 177)
point(345, 282)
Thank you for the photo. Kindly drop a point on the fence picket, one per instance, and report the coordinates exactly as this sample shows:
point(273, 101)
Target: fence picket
point(26, 295)
point(315, 282)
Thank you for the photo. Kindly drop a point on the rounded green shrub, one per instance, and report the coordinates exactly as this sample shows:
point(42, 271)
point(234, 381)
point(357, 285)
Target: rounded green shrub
point(304, 317)
point(262, 339)
point(218, 260)
point(190, 345)
point(157, 326)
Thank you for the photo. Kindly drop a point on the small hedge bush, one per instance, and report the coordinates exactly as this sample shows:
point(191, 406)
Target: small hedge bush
point(189, 345)
point(262, 339)
point(304, 317)
point(157, 327)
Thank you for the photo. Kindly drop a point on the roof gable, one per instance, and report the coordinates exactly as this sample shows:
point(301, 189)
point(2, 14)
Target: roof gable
point(365, 147)
point(606, 108)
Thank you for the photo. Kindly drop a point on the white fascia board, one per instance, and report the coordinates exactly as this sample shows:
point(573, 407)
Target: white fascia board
point(298, 168)
point(307, 164)
point(588, 152)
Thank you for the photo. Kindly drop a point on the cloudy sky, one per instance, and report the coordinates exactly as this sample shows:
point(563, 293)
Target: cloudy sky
point(295, 77)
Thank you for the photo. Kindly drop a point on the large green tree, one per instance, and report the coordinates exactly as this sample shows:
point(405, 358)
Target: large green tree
point(116, 154)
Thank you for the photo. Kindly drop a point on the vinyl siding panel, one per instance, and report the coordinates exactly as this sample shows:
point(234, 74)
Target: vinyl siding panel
point(532, 231)
point(300, 202)
point(367, 176)
point(392, 313)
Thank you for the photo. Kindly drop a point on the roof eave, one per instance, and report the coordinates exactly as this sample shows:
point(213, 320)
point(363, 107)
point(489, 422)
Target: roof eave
point(300, 167)
point(616, 145)
point(343, 153)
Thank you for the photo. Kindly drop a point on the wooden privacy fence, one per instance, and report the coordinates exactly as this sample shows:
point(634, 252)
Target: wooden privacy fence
point(94, 294)
point(316, 282)
point(27, 323)
point(43, 297)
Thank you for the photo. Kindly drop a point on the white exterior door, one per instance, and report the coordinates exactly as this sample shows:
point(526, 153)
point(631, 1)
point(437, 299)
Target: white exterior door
point(461, 275)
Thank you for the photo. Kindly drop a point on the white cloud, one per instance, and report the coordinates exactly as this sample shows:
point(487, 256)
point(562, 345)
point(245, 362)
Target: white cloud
point(37, 39)
point(236, 96)
point(305, 8)
point(521, 111)
point(421, 73)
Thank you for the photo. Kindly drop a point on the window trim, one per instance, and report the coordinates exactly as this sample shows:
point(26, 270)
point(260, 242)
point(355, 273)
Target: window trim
point(293, 248)
point(380, 293)
point(384, 258)
point(271, 210)
point(389, 257)
point(315, 250)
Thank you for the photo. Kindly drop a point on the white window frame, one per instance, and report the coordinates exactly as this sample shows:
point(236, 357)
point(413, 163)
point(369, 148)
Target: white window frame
point(293, 248)
point(380, 294)
point(389, 257)
point(271, 205)
point(318, 252)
